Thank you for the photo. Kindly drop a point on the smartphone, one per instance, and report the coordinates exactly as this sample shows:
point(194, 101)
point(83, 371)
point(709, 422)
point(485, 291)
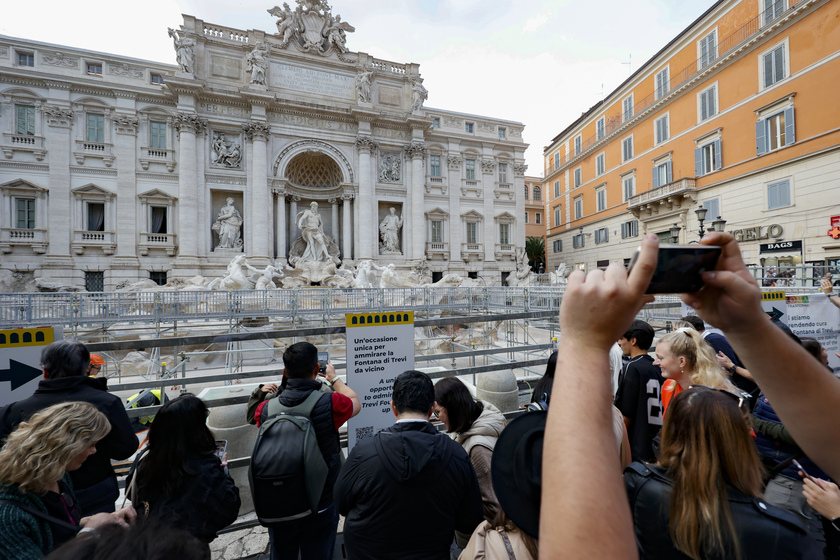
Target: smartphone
point(221, 448)
point(799, 466)
point(678, 267)
point(323, 359)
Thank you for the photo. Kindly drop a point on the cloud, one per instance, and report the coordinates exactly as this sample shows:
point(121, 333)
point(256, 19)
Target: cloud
point(535, 23)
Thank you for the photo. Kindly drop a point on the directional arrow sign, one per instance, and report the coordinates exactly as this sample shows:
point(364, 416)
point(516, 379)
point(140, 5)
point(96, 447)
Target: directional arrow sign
point(19, 374)
point(775, 313)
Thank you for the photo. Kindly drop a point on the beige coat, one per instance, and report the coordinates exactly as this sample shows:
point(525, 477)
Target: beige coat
point(486, 543)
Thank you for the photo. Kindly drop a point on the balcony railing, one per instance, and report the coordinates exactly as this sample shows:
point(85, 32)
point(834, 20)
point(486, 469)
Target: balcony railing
point(23, 143)
point(437, 248)
point(157, 155)
point(165, 241)
point(472, 247)
point(104, 240)
point(35, 238)
point(85, 149)
point(682, 186)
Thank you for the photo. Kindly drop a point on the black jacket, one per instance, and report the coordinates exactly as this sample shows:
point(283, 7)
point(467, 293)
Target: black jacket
point(765, 532)
point(120, 443)
point(404, 492)
point(205, 503)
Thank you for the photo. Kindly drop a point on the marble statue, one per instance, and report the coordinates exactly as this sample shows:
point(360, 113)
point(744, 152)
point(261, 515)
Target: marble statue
point(363, 80)
point(234, 278)
point(522, 275)
point(312, 231)
point(264, 279)
point(258, 63)
point(184, 51)
point(228, 226)
point(389, 168)
point(312, 27)
point(390, 278)
point(389, 229)
point(422, 271)
point(288, 24)
point(365, 275)
point(335, 33)
point(226, 152)
point(419, 94)
point(560, 276)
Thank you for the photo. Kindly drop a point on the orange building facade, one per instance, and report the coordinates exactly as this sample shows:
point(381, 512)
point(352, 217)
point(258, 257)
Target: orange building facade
point(739, 115)
point(534, 208)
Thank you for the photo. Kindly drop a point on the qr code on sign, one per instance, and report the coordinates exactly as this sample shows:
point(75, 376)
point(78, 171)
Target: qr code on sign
point(362, 433)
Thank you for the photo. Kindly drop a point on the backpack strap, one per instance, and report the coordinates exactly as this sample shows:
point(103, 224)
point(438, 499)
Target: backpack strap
point(305, 408)
point(41, 515)
point(508, 546)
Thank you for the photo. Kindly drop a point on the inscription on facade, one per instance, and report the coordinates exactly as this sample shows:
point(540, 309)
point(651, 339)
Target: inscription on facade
point(306, 80)
point(225, 67)
point(389, 96)
point(380, 132)
point(217, 109)
point(311, 122)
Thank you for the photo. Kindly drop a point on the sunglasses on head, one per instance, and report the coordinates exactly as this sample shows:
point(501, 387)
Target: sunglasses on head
point(740, 399)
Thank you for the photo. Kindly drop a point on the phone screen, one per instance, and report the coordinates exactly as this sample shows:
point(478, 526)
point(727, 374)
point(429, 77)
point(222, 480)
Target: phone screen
point(323, 359)
point(221, 447)
point(678, 268)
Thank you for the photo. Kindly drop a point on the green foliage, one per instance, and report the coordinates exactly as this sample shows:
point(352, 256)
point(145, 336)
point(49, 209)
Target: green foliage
point(535, 249)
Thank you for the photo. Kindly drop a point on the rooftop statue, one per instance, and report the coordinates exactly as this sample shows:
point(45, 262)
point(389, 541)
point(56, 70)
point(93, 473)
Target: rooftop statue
point(311, 27)
point(258, 63)
point(184, 51)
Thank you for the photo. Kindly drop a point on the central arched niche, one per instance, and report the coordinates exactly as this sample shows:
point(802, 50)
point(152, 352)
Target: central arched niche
point(315, 170)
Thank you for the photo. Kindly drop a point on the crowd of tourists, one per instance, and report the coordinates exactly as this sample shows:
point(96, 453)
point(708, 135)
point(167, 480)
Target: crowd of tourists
point(720, 443)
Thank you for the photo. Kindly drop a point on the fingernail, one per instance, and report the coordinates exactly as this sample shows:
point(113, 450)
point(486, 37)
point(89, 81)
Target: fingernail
point(651, 236)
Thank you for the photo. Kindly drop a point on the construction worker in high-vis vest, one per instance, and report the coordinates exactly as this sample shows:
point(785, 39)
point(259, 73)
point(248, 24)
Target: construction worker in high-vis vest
point(149, 397)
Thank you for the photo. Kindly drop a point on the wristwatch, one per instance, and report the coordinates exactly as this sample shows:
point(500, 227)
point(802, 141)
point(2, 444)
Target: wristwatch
point(732, 369)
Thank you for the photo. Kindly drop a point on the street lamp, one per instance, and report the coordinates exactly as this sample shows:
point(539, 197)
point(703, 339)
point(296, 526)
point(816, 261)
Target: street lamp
point(675, 234)
point(719, 224)
point(701, 216)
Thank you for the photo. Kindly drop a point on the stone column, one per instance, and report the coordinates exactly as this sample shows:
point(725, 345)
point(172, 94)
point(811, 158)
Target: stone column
point(518, 230)
point(367, 200)
point(417, 153)
point(260, 220)
point(452, 228)
point(292, 219)
point(58, 142)
point(334, 202)
point(280, 221)
point(188, 125)
point(126, 265)
point(488, 236)
point(346, 252)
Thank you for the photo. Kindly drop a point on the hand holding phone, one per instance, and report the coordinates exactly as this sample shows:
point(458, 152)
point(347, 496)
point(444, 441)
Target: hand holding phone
point(802, 470)
point(679, 268)
point(323, 359)
point(221, 448)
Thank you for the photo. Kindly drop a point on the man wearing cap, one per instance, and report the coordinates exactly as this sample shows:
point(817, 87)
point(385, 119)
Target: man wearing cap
point(96, 363)
point(405, 491)
point(66, 366)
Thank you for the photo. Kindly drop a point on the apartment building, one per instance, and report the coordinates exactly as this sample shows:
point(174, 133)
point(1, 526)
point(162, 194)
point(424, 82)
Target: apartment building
point(737, 116)
point(534, 208)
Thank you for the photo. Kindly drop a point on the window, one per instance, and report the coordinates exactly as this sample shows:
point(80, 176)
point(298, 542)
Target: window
point(556, 189)
point(436, 123)
point(578, 208)
point(503, 173)
point(707, 158)
point(156, 79)
point(578, 144)
point(712, 207)
point(778, 194)
point(158, 224)
point(557, 216)
point(537, 194)
point(661, 126)
point(504, 234)
point(556, 160)
point(526, 218)
point(94, 69)
point(708, 50)
point(25, 120)
point(158, 277)
point(526, 192)
point(601, 129)
point(602, 235)
point(775, 131)
point(502, 133)
point(537, 218)
point(629, 187)
point(627, 149)
point(472, 232)
point(578, 241)
point(434, 163)
point(600, 164)
point(25, 213)
point(469, 166)
point(95, 216)
point(437, 231)
point(558, 245)
point(95, 281)
point(774, 66)
point(95, 128)
point(661, 174)
point(601, 199)
point(25, 58)
point(627, 109)
point(662, 83)
point(707, 101)
point(630, 229)
point(157, 135)
point(772, 10)
point(468, 127)
point(578, 177)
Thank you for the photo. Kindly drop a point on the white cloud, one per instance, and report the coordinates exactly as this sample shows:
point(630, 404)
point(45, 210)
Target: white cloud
point(535, 23)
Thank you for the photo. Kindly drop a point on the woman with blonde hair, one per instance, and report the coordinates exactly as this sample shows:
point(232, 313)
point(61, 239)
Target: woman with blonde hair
point(703, 500)
point(38, 510)
point(685, 360)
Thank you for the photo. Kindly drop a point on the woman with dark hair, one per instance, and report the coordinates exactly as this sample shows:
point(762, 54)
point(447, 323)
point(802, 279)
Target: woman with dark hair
point(542, 390)
point(703, 500)
point(476, 426)
point(180, 478)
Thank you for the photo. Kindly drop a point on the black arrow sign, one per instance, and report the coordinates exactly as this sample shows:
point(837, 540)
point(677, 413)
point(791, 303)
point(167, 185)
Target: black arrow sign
point(775, 314)
point(19, 374)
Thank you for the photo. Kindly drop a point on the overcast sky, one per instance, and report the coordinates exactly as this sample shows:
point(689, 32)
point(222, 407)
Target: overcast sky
point(540, 62)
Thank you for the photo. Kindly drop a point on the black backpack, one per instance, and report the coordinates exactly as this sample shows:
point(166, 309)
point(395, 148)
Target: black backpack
point(288, 470)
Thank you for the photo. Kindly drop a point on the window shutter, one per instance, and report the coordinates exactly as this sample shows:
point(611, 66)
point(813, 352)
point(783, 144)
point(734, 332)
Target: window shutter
point(698, 162)
point(760, 138)
point(656, 177)
point(668, 175)
point(773, 196)
point(784, 193)
point(768, 69)
point(718, 158)
point(790, 129)
point(779, 63)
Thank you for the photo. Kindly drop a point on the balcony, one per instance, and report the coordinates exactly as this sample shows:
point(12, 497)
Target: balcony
point(471, 187)
point(503, 190)
point(23, 143)
point(165, 157)
point(472, 251)
point(105, 240)
point(504, 250)
point(436, 185)
point(164, 241)
point(667, 197)
point(99, 150)
point(434, 248)
point(34, 238)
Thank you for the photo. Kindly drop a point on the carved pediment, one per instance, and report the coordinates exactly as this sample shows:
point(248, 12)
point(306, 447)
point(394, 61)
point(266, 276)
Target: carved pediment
point(156, 194)
point(93, 190)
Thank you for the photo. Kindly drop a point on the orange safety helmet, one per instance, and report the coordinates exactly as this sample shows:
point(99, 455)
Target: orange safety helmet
point(96, 359)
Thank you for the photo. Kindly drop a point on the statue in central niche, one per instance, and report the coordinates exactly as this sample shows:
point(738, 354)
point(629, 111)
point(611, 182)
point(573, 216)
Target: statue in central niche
point(312, 232)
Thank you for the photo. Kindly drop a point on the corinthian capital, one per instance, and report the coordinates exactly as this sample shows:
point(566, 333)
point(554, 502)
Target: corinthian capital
point(366, 144)
point(255, 129)
point(415, 150)
point(189, 122)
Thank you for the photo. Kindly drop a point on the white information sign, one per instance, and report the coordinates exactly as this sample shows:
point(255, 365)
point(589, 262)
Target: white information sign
point(814, 316)
point(315, 82)
point(20, 360)
point(380, 346)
